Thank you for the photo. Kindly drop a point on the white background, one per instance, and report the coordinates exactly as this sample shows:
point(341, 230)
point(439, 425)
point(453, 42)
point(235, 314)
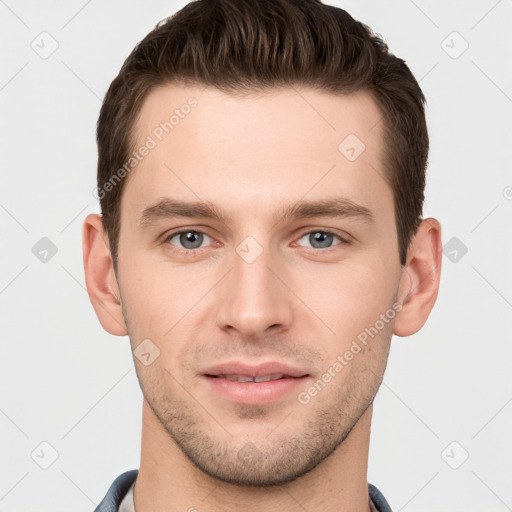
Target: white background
point(67, 382)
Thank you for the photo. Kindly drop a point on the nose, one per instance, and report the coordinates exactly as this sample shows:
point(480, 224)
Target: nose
point(254, 299)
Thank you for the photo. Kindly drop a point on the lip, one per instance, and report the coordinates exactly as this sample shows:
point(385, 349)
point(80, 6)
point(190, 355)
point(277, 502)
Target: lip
point(257, 370)
point(254, 393)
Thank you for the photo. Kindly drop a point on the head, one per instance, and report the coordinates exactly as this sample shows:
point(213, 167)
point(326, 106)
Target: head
point(302, 142)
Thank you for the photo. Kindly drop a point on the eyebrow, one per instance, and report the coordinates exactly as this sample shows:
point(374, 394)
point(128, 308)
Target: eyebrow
point(337, 207)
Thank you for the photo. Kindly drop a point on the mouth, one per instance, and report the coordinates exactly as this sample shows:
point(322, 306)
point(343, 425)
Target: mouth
point(254, 384)
point(246, 378)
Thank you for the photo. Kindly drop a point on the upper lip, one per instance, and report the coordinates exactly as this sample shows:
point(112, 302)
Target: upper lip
point(256, 370)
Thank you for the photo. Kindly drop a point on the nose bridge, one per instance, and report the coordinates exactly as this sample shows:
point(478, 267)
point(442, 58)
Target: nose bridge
point(253, 298)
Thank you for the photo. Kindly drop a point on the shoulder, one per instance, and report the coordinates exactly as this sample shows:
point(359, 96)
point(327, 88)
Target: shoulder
point(117, 491)
point(377, 499)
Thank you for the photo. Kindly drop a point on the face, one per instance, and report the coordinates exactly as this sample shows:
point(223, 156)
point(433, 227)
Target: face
point(260, 259)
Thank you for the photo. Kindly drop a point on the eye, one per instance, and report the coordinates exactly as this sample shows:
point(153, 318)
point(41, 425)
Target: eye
point(189, 239)
point(320, 239)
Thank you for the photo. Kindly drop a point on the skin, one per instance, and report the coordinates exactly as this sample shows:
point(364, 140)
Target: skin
point(298, 302)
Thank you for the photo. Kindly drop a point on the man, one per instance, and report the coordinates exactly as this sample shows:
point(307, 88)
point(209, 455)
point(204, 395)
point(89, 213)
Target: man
point(261, 175)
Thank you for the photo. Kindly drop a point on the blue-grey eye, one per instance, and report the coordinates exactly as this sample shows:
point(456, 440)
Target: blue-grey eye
point(320, 239)
point(189, 239)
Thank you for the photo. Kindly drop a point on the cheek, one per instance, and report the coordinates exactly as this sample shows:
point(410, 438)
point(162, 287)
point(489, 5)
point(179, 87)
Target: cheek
point(158, 296)
point(350, 296)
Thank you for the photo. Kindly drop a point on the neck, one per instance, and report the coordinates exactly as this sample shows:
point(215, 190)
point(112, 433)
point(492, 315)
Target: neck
point(169, 481)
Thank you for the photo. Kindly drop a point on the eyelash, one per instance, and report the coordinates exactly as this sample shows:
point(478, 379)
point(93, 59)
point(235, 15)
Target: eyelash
point(343, 241)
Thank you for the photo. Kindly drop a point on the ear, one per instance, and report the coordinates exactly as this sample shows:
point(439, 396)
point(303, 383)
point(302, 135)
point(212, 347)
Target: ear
point(100, 278)
point(419, 283)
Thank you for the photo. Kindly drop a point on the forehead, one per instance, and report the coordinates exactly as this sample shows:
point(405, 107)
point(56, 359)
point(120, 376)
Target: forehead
point(260, 149)
point(290, 114)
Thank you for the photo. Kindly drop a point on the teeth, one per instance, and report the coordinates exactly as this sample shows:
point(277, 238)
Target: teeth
point(237, 378)
point(244, 378)
point(265, 378)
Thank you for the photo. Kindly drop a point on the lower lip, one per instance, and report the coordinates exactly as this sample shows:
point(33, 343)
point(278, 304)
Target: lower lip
point(255, 393)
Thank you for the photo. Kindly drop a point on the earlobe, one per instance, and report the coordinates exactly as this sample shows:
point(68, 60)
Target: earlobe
point(100, 278)
point(419, 284)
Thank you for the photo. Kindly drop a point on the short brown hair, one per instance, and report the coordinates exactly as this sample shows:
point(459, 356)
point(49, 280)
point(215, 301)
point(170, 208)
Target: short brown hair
point(251, 45)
